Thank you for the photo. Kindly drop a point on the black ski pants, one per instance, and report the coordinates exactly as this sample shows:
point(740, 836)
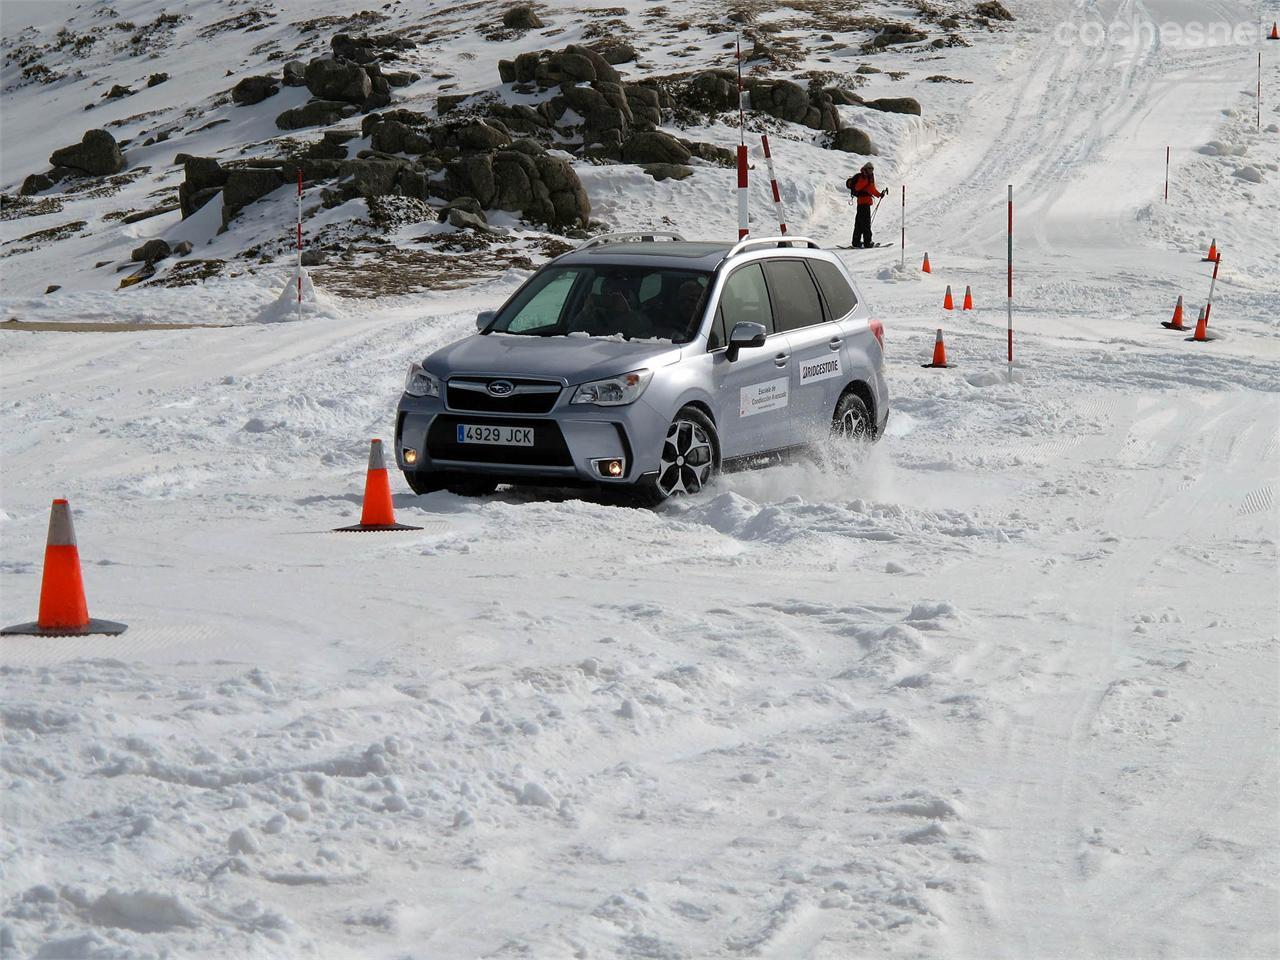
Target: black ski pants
point(862, 227)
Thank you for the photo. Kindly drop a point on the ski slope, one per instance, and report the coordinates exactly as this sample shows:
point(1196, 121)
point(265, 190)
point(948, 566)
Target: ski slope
point(1004, 685)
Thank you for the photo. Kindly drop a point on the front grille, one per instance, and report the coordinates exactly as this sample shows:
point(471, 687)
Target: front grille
point(548, 450)
point(527, 396)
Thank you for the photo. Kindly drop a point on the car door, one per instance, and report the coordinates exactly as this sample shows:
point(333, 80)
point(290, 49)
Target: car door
point(753, 392)
point(819, 364)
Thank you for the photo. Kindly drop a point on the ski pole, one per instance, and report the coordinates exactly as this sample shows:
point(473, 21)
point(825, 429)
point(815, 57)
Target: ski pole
point(877, 209)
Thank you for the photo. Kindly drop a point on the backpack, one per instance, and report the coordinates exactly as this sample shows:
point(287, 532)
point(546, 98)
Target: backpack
point(849, 184)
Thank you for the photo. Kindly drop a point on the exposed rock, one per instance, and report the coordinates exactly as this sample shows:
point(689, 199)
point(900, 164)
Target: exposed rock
point(459, 218)
point(117, 91)
point(841, 97)
point(573, 64)
point(654, 146)
point(52, 288)
point(151, 251)
point(853, 140)
point(615, 51)
point(156, 79)
point(373, 178)
point(469, 204)
point(314, 114)
point(294, 74)
point(312, 257)
point(96, 154)
point(35, 183)
point(329, 79)
point(392, 136)
point(789, 101)
point(182, 248)
point(542, 188)
point(720, 156)
point(478, 135)
point(252, 90)
point(448, 102)
point(245, 185)
point(507, 71)
point(895, 105)
point(357, 50)
point(522, 17)
point(894, 34)
point(993, 10)
point(401, 78)
point(667, 171)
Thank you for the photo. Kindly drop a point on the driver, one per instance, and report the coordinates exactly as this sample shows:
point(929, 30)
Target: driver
point(610, 312)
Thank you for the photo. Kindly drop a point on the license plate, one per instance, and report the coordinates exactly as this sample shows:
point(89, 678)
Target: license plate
point(502, 436)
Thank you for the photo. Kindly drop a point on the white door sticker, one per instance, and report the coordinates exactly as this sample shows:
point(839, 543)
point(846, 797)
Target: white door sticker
point(763, 397)
point(814, 370)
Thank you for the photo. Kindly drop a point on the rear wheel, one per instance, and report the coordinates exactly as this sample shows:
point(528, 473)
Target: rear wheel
point(852, 419)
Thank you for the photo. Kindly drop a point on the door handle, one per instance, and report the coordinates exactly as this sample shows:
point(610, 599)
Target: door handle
point(834, 343)
point(781, 359)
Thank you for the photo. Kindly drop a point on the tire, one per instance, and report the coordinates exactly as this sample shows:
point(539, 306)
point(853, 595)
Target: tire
point(852, 420)
point(476, 487)
point(689, 460)
point(425, 481)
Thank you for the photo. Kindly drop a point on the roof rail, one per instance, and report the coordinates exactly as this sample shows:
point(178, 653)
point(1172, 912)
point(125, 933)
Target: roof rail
point(744, 245)
point(639, 235)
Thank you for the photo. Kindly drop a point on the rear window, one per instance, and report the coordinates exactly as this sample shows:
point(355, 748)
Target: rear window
point(835, 288)
point(795, 298)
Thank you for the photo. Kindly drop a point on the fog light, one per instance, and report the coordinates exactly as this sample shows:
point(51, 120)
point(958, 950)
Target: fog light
point(410, 456)
point(613, 468)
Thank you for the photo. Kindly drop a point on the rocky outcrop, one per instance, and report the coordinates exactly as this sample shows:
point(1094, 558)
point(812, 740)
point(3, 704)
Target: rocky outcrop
point(247, 184)
point(97, 155)
point(521, 17)
point(790, 101)
point(853, 140)
point(314, 114)
point(525, 180)
point(253, 90)
point(895, 105)
point(654, 146)
point(151, 251)
point(203, 179)
point(546, 68)
point(339, 80)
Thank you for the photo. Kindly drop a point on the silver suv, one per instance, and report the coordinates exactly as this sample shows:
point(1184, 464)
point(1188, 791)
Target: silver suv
point(646, 363)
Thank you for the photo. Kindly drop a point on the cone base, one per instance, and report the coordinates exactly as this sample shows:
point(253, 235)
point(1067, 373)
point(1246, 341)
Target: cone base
point(374, 527)
point(1175, 326)
point(1208, 338)
point(1210, 259)
point(937, 366)
point(107, 628)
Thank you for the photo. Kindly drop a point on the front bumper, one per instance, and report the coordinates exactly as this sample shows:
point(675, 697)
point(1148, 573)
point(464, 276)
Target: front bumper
point(569, 441)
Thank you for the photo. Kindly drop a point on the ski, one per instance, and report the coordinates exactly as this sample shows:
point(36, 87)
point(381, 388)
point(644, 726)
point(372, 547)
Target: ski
point(874, 246)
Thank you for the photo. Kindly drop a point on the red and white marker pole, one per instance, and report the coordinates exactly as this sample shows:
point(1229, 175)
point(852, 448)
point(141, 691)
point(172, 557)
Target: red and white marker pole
point(773, 184)
point(1009, 305)
point(1213, 285)
point(299, 243)
point(1166, 174)
point(744, 224)
point(904, 226)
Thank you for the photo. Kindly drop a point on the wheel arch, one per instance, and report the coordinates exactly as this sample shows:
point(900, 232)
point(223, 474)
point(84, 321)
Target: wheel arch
point(862, 390)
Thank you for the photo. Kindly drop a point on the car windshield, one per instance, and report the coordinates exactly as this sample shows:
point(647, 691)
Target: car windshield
point(608, 300)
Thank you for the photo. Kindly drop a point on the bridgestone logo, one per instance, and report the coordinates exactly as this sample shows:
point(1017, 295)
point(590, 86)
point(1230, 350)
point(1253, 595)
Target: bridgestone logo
point(822, 370)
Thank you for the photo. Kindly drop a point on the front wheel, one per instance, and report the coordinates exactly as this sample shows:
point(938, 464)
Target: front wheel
point(690, 458)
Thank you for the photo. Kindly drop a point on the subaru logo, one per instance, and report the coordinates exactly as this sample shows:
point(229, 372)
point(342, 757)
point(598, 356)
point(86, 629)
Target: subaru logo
point(501, 388)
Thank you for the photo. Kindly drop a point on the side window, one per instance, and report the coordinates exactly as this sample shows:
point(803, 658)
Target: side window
point(718, 337)
point(745, 299)
point(545, 306)
point(795, 298)
point(835, 288)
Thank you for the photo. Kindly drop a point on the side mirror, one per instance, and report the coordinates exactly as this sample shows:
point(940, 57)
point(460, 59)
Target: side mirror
point(483, 319)
point(745, 335)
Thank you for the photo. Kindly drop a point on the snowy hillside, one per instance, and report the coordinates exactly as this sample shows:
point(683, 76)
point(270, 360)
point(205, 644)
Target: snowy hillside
point(1003, 685)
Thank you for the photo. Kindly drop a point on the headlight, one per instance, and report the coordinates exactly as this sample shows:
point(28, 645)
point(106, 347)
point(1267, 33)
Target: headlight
point(614, 392)
point(419, 383)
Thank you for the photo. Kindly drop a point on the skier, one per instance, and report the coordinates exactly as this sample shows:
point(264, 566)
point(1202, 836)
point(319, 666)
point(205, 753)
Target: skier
point(863, 188)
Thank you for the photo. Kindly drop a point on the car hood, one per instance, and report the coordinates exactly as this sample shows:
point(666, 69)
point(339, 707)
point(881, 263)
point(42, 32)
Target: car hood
point(572, 359)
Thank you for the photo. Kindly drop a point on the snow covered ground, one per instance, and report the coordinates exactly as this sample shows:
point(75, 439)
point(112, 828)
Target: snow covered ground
point(1004, 685)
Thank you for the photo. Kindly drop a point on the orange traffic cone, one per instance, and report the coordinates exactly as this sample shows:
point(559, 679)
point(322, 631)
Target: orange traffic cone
point(1176, 322)
point(1213, 252)
point(939, 354)
point(1275, 31)
point(63, 611)
point(378, 512)
point(925, 268)
point(947, 302)
point(968, 299)
point(1202, 330)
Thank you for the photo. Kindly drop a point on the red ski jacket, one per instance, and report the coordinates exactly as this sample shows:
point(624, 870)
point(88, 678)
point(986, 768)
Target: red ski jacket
point(864, 188)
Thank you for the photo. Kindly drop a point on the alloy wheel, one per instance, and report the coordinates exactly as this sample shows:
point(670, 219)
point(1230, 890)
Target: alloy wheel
point(687, 459)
